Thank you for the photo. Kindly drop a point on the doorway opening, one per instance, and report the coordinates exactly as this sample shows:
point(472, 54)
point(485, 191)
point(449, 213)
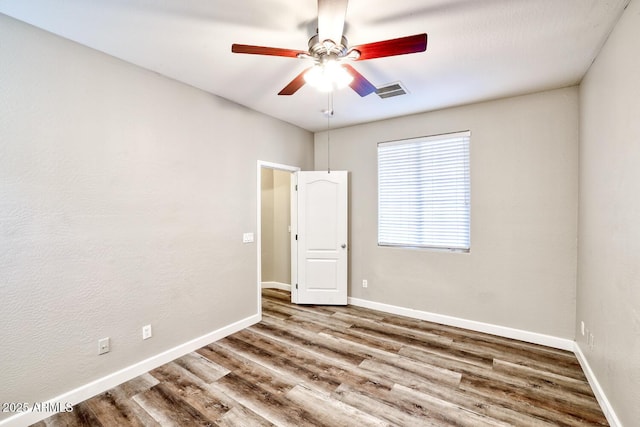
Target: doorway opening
point(274, 226)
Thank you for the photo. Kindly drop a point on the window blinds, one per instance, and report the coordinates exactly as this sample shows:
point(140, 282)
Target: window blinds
point(424, 192)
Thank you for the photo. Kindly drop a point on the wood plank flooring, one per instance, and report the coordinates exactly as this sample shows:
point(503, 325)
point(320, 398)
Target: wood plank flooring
point(349, 366)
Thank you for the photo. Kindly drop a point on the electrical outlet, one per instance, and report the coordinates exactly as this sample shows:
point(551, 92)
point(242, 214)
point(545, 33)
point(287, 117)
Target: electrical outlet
point(365, 283)
point(247, 238)
point(104, 346)
point(146, 332)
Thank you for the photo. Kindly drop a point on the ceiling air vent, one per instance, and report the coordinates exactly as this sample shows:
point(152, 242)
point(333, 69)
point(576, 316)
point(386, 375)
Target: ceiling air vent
point(391, 90)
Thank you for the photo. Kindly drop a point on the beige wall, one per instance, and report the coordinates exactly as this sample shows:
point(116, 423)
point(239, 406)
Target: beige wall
point(609, 221)
point(123, 199)
point(276, 219)
point(281, 223)
point(521, 271)
point(266, 220)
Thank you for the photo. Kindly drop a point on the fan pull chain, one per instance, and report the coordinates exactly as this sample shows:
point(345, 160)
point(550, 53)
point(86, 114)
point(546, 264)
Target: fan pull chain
point(329, 113)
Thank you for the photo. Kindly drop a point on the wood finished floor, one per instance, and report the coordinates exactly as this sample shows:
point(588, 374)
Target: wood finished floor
point(349, 366)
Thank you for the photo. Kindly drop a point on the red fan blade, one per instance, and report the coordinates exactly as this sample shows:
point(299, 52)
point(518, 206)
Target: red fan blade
point(393, 47)
point(295, 84)
point(263, 50)
point(359, 84)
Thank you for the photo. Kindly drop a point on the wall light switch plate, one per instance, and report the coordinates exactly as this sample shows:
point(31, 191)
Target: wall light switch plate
point(247, 238)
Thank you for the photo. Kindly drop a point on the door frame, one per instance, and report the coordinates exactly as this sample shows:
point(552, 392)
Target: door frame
point(265, 165)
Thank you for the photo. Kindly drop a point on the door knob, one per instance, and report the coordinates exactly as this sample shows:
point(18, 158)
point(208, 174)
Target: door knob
point(344, 245)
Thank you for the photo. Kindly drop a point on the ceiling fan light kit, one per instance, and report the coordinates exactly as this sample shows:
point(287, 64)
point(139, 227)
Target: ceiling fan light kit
point(329, 70)
point(328, 76)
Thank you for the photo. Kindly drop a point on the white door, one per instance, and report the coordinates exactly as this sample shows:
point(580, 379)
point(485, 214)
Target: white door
point(319, 238)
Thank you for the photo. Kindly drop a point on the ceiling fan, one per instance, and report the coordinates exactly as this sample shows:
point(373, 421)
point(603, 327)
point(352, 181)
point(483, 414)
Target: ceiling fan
point(329, 52)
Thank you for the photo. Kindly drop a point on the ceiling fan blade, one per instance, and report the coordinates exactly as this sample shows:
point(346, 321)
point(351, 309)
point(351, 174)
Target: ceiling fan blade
point(359, 83)
point(295, 84)
point(400, 46)
point(331, 16)
point(263, 50)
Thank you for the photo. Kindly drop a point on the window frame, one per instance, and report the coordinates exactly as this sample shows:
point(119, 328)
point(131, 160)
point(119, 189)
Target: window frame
point(454, 244)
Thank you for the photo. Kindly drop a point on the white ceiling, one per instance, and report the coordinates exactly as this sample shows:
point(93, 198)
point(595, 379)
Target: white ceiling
point(477, 49)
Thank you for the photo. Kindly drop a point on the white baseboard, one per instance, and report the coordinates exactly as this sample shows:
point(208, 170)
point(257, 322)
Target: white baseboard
point(276, 285)
point(607, 409)
point(503, 331)
point(112, 380)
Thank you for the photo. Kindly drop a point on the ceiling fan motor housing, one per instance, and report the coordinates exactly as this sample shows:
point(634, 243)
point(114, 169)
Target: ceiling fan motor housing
point(318, 49)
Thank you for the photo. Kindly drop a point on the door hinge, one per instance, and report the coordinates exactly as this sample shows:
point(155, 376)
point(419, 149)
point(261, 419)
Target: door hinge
point(296, 286)
point(296, 237)
point(296, 187)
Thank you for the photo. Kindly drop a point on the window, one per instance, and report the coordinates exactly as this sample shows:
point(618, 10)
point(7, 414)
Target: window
point(424, 192)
